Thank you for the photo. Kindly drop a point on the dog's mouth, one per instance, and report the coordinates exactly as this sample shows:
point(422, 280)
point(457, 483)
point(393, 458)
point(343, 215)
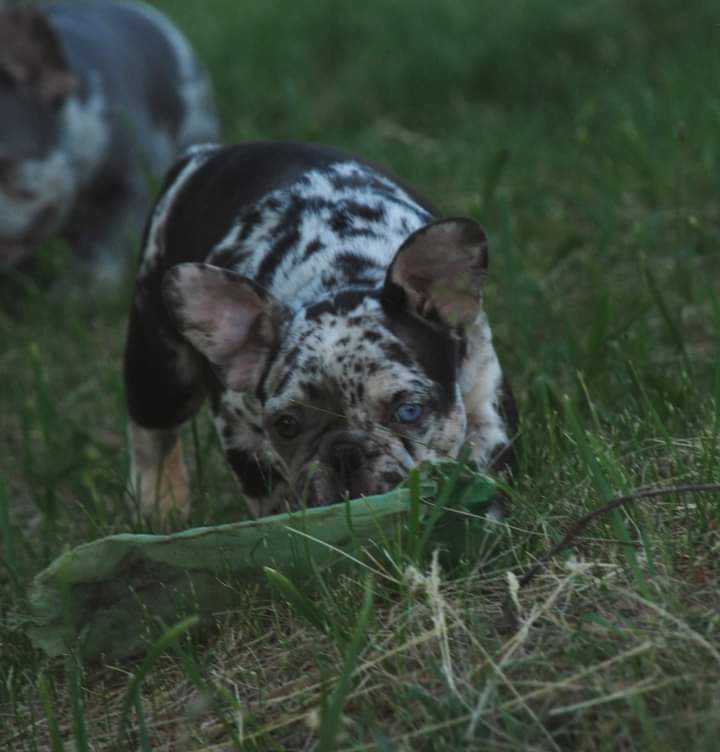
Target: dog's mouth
point(345, 464)
point(323, 485)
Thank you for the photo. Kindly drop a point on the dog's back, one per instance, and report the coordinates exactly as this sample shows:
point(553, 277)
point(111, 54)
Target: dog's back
point(150, 77)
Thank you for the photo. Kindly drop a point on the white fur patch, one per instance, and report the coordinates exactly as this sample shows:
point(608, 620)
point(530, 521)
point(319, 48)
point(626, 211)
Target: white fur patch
point(480, 381)
point(86, 131)
point(40, 185)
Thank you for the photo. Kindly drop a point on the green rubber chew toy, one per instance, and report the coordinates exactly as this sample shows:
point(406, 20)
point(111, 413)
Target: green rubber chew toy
point(111, 597)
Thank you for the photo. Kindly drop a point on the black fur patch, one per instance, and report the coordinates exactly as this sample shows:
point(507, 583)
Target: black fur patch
point(436, 350)
point(342, 303)
point(257, 479)
point(156, 397)
point(313, 247)
point(288, 238)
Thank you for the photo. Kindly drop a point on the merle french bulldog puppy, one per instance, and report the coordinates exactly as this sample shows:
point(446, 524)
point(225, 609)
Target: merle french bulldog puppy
point(93, 98)
point(334, 322)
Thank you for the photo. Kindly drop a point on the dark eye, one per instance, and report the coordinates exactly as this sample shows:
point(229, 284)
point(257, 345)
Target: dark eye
point(408, 412)
point(287, 426)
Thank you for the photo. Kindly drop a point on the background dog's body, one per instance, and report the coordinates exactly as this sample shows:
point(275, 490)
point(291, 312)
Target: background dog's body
point(94, 99)
point(335, 324)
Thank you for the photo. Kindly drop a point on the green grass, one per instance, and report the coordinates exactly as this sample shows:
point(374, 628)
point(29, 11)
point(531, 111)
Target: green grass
point(584, 136)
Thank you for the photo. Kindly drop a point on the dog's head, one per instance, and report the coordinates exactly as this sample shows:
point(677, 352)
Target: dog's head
point(36, 180)
point(356, 388)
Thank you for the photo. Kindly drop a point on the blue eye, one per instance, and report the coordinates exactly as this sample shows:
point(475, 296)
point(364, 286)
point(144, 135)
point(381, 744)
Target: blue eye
point(408, 412)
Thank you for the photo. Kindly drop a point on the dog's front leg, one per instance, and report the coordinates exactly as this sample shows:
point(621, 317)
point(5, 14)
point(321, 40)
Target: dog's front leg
point(158, 477)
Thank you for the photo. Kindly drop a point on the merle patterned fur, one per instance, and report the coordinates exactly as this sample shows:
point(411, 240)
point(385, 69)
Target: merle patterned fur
point(334, 323)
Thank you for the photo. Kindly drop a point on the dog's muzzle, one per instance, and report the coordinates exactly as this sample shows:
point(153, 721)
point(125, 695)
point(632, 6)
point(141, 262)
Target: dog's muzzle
point(347, 467)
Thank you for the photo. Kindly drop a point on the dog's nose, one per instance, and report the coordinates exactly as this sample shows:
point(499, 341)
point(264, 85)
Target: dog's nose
point(345, 458)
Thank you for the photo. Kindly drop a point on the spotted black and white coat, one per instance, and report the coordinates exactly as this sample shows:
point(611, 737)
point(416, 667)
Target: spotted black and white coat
point(334, 322)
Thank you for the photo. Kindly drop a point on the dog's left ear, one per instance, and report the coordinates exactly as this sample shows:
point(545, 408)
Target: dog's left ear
point(232, 321)
point(440, 268)
point(31, 55)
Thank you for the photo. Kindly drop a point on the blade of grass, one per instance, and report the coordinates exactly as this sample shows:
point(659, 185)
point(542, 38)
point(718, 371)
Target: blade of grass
point(143, 738)
point(201, 508)
point(671, 325)
point(299, 603)
point(9, 560)
point(447, 487)
point(220, 696)
point(43, 688)
point(46, 412)
point(493, 174)
point(612, 471)
point(414, 516)
point(640, 710)
point(651, 409)
point(332, 708)
point(382, 743)
point(78, 706)
point(166, 640)
point(604, 491)
point(712, 449)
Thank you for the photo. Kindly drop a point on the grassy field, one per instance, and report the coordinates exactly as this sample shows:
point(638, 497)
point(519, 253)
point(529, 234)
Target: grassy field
point(586, 138)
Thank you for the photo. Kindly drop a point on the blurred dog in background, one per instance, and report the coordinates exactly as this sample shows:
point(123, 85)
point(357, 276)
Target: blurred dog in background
point(95, 98)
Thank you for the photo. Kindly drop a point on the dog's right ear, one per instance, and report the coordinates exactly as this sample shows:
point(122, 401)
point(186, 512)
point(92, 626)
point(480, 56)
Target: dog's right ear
point(227, 317)
point(440, 270)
